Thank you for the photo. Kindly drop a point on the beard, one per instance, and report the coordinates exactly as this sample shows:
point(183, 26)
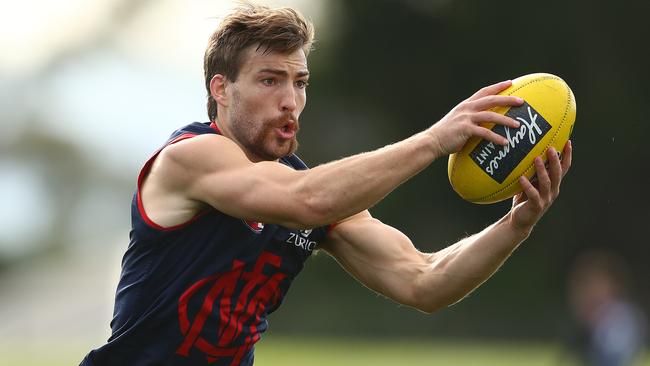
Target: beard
point(259, 137)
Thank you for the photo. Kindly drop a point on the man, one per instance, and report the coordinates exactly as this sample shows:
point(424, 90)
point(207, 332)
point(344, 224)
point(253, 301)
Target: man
point(609, 325)
point(225, 214)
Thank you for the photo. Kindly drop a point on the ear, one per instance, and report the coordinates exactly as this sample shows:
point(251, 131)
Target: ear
point(218, 85)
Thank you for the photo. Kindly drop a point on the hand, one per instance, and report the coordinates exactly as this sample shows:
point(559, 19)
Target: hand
point(453, 130)
point(529, 205)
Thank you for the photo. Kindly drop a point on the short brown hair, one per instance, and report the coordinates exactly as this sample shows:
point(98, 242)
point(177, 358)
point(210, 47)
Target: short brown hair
point(281, 30)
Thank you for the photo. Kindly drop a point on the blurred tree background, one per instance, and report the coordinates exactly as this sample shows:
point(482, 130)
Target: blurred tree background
point(382, 70)
point(395, 67)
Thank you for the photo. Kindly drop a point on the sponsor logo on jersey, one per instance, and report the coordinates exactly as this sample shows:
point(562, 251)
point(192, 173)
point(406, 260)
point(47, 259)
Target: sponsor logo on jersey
point(301, 240)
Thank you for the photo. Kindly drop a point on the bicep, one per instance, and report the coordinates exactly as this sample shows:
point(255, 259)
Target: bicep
point(260, 192)
point(215, 171)
point(377, 255)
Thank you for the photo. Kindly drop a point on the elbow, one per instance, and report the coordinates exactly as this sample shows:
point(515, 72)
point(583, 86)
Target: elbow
point(307, 218)
point(430, 306)
point(429, 298)
point(305, 207)
point(321, 210)
point(315, 215)
point(315, 210)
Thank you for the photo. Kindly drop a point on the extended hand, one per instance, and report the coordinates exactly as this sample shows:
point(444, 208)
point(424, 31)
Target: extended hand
point(529, 205)
point(463, 122)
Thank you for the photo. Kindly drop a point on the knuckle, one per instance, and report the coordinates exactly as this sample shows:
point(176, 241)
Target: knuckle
point(556, 161)
point(505, 100)
point(462, 116)
point(506, 120)
point(464, 106)
point(492, 99)
point(537, 202)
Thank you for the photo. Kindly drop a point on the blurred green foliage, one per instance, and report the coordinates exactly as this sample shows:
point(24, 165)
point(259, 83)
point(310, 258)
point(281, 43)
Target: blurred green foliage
point(392, 68)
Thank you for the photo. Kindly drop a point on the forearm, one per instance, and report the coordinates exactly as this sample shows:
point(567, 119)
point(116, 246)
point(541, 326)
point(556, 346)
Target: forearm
point(458, 269)
point(345, 187)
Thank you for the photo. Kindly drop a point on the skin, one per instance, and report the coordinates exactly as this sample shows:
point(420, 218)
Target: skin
point(271, 97)
point(237, 173)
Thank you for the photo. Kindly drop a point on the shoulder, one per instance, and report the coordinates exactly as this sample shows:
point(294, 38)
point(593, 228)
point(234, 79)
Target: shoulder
point(201, 152)
point(184, 163)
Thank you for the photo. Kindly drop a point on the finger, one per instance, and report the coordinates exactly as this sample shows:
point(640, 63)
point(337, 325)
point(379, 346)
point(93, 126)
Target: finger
point(555, 170)
point(492, 101)
point(489, 116)
point(491, 89)
point(489, 135)
point(519, 198)
point(531, 193)
point(543, 180)
point(567, 156)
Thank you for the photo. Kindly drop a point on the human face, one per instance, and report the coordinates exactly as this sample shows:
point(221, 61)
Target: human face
point(266, 102)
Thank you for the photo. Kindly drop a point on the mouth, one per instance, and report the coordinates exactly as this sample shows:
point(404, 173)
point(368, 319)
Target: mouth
point(288, 131)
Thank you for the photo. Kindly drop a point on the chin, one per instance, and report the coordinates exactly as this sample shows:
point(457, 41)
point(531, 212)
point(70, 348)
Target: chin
point(270, 153)
point(293, 146)
point(287, 148)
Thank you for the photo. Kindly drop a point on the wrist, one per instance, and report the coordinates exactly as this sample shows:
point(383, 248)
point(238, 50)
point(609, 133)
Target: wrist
point(433, 141)
point(519, 231)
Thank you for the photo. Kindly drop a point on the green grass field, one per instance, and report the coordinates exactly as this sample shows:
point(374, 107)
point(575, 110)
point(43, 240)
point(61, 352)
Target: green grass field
point(291, 351)
point(384, 353)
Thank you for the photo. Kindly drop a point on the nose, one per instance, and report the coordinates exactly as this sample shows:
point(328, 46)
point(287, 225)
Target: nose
point(289, 103)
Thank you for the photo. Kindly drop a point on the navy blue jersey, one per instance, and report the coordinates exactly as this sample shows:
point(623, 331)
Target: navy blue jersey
point(199, 293)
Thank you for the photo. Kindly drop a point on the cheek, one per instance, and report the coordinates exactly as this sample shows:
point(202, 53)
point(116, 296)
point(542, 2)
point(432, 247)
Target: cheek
point(301, 100)
point(262, 102)
point(253, 108)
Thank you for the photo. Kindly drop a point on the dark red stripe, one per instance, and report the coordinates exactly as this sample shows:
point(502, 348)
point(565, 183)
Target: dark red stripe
point(331, 227)
point(215, 127)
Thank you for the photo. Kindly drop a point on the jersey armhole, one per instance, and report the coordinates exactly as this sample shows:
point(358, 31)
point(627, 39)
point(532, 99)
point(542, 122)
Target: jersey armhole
point(330, 227)
point(143, 174)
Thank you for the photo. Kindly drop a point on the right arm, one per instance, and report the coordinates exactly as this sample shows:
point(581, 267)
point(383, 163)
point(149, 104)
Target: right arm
point(212, 169)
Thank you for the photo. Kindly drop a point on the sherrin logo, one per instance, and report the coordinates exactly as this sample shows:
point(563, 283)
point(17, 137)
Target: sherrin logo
point(499, 161)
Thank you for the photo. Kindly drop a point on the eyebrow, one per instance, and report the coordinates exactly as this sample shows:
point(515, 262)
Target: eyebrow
point(282, 72)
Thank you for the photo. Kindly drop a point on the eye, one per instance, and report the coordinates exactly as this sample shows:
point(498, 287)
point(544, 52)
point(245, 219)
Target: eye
point(302, 84)
point(268, 82)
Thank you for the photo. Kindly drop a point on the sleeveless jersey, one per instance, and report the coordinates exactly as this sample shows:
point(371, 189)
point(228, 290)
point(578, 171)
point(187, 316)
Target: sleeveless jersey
point(199, 293)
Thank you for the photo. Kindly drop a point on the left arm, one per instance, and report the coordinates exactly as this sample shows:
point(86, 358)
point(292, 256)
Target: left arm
point(385, 260)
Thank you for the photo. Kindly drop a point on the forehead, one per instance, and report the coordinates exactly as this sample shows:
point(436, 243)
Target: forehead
point(255, 60)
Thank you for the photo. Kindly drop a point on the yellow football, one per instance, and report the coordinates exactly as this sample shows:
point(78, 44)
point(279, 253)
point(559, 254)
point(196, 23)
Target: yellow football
point(484, 172)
